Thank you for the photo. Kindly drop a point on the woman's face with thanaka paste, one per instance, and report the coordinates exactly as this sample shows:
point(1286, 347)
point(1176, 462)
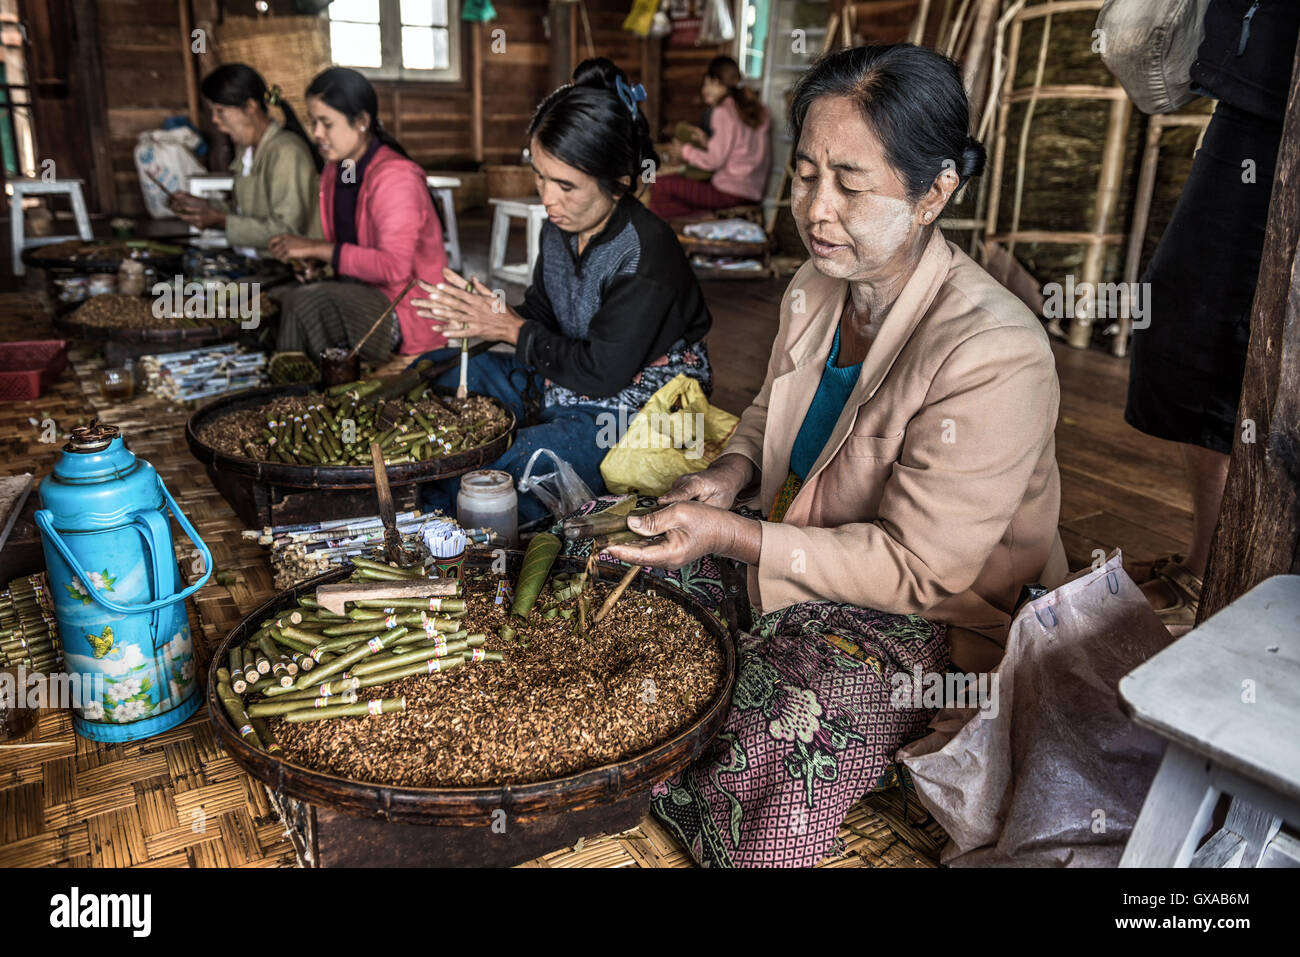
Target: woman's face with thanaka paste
point(849, 203)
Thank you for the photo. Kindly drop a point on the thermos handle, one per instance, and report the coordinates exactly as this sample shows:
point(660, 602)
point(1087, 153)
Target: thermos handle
point(157, 528)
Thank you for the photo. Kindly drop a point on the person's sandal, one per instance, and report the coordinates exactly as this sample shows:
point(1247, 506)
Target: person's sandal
point(1143, 572)
point(1180, 617)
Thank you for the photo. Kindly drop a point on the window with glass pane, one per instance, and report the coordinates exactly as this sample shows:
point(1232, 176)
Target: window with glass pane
point(354, 33)
point(397, 38)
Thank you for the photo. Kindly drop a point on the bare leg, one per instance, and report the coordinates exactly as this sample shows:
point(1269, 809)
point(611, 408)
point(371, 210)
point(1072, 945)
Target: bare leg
point(1208, 472)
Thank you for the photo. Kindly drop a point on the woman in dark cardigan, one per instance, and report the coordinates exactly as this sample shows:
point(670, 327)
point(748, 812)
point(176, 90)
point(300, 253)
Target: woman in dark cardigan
point(614, 311)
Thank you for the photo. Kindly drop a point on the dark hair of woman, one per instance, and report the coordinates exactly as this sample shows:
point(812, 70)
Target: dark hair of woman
point(913, 99)
point(727, 72)
point(594, 124)
point(234, 84)
point(352, 95)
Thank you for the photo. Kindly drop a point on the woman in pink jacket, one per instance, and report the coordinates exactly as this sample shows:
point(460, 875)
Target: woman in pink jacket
point(738, 151)
point(379, 226)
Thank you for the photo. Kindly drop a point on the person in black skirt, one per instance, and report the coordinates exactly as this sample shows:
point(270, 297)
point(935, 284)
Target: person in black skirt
point(1187, 366)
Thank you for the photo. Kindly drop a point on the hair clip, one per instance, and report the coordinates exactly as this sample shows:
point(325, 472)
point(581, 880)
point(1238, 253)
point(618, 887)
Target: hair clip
point(630, 95)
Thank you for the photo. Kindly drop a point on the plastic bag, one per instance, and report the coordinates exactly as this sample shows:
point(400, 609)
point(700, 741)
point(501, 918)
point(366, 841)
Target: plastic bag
point(717, 26)
point(561, 491)
point(167, 155)
point(1055, 773)
point(677, 432)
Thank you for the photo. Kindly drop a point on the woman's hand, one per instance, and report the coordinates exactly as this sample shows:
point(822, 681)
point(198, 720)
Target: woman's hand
point(468, 310)
point(287, 246)
point(693, 529)
point(195, 211)
point(673, 153)
point(699, 137)
point(718, 485)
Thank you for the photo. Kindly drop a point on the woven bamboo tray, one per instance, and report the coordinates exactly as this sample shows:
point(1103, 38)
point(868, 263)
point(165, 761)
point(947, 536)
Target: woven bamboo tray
point(340, 821)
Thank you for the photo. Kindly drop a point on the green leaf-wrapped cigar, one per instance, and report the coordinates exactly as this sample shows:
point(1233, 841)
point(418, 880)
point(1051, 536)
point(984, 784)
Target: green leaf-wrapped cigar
point(251, 674)
point(532, 576)
point(273, 709)
point(375, 624)
point(436, 603)
point(371, 647)
point(427, 667)
point(235, 709)
point(340, 685)
point(268, 739)
point(422, 653)
point(236, 672)
point(375, 706)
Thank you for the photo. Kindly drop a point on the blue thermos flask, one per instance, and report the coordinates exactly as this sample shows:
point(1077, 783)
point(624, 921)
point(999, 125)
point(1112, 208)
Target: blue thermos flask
point(117, 590)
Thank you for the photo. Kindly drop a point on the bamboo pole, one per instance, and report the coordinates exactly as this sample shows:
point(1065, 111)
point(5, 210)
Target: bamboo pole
point(1108, 183)
point(476, 99)
point(1000, 140)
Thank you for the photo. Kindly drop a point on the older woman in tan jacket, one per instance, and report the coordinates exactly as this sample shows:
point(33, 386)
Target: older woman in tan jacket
point(902, 444)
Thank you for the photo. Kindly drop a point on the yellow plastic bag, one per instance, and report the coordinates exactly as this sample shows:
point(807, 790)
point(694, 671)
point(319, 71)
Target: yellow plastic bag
point(675, 433)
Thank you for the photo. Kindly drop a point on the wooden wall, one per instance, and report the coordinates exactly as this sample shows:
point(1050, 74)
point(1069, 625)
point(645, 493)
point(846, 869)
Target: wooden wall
point(140, 80)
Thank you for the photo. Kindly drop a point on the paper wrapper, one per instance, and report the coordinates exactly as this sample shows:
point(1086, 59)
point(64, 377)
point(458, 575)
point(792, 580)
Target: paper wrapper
point(1054, 776)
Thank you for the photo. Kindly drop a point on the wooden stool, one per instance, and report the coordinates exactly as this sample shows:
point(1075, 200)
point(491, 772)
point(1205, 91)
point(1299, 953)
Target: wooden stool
point(1225, 697)
point(441, 187)
point(19, 188)
point(533, 213)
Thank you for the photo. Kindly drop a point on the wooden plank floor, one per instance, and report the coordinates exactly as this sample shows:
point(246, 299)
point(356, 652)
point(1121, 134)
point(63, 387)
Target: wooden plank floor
point(176, 800)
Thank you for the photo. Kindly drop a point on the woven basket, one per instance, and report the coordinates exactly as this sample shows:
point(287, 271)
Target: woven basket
point(287, 51)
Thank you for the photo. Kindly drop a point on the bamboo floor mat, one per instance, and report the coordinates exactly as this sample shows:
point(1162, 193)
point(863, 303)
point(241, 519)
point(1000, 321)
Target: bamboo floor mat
point(177, 800)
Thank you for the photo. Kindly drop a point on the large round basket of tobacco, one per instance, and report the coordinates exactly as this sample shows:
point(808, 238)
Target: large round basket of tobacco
point(536, 685)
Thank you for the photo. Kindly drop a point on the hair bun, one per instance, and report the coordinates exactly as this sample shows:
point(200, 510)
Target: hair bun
point(972, 159)
point(600, 72)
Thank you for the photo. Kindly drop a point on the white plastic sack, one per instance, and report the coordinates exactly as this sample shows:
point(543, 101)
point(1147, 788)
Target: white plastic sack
point(168, 155)
point(1056, 774)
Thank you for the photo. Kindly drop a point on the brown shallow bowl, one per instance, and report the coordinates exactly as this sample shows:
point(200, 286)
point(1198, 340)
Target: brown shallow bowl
point(188, 335)
point(474, 806)
point(329, 476)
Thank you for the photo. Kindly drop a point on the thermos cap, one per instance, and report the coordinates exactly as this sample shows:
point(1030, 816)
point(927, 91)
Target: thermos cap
point(92, 438)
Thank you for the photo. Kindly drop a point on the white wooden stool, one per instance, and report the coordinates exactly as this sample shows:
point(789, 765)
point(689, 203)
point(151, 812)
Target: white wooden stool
point(19, 188)
point(1225, 696)
point(533, 213)
point(441, 187)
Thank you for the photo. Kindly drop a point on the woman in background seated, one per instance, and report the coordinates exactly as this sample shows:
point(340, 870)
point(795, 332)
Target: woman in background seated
point(903, 446)
point(380, 231)
point(275, 165)
point(613, 312)
point(738, 152)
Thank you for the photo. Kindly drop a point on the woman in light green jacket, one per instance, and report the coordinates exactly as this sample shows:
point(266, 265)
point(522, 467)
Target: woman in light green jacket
point(275, 165)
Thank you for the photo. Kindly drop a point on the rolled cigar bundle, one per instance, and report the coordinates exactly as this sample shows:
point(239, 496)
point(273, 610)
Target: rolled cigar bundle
point(325, 689)
point(376, 706)
point(429, 666)
point(371, 647)
point(283, 706)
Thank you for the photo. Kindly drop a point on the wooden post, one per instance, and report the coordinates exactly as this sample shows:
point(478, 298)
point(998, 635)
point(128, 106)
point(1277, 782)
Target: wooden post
point(562, 39)
point(191, 68)
point(88, 82)
point(652, 79)
point(1258, 534)
point(476, 98)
